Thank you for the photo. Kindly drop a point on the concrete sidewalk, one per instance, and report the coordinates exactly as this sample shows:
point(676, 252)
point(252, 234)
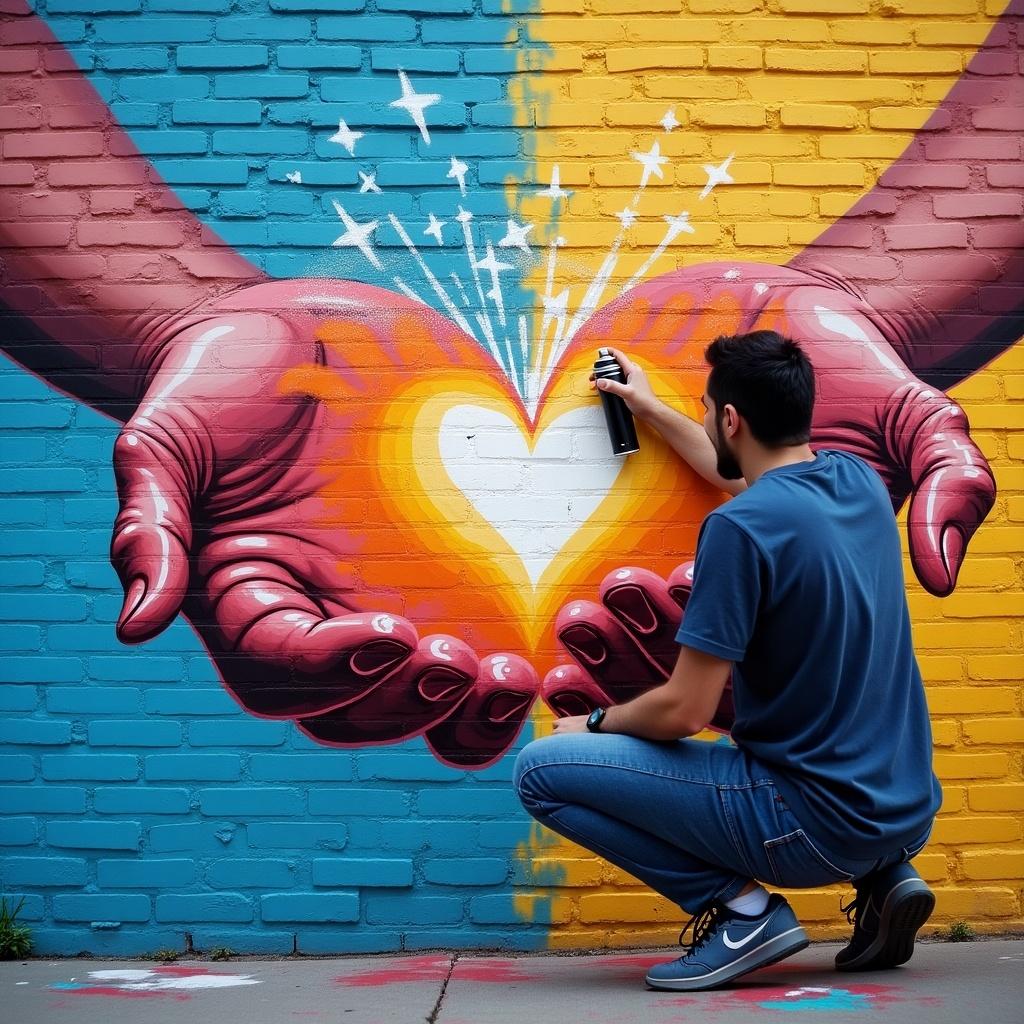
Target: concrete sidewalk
point(944, 984)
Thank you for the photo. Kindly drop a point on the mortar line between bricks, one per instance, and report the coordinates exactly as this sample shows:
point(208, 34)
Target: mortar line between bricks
point(436, 1011)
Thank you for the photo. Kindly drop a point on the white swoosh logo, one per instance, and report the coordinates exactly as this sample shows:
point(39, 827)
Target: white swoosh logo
point(742, 942)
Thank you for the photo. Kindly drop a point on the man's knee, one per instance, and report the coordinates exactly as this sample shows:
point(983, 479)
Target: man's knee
point(526, 759)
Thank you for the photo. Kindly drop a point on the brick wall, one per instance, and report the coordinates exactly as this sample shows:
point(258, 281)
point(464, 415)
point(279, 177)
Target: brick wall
point(142, 807)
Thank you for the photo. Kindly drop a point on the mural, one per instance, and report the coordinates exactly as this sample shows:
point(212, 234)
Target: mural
point(382, 497)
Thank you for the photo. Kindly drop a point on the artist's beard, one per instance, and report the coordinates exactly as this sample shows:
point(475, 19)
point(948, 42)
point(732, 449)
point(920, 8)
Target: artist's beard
point(727, 466)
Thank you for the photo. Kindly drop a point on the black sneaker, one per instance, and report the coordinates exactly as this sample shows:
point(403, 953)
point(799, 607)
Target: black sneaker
point(887, 912)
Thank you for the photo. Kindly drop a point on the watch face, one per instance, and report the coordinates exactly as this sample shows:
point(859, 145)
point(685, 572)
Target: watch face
point(595, 719)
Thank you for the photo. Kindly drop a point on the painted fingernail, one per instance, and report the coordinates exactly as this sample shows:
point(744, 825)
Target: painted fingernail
point(505, 705)
point(565, 705)
point(632, 604)
point(377, 656)
point(585, 642)
point(439, 684)
point(133, 598)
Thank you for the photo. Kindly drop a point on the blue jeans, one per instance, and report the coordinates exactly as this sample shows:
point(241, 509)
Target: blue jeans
point(693, 820)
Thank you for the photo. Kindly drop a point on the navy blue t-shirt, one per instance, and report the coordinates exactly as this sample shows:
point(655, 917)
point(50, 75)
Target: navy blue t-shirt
point(799, 581)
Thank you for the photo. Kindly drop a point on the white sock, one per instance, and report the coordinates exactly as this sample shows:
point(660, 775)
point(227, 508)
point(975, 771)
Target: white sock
point(752, 903)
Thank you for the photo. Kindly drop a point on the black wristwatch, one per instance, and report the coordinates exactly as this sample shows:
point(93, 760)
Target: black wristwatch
point(595, 719)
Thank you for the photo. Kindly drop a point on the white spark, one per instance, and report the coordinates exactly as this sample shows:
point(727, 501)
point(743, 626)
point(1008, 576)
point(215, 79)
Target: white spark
point(627, 217)
point(494, 267)
point(295, 177)
point(516, 236)
point(407, 291)
point(651, 163)
point(344, 136)
point(668, 122)
point(461, 288)
point(676, 225)
point(458, 172)
point(414, 104)
point(717, 176)
point(434, 229)
point(369, 183)
point(732, 275)
point(555, 191)
point(464, 217)
point(357, 235)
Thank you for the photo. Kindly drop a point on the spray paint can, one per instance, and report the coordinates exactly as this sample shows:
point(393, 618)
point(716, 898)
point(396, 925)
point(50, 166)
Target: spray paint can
point(621, 428)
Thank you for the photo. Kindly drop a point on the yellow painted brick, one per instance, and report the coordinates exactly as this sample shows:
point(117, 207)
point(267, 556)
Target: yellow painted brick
point(644, 115)
point(635, 58)
point(779, 30)
point(937, 636)
point(747, 172)
point(734, 203)
point(634, 6)
point(805, 233)
point(1015, 509)
point(602, 143)
point(945, 734)
point(790, 204)
point(823, 6)
point(984, 606)
point(541, 907)
point(996, 666)
point(953, 799)
point(932, 867)
point(982, 386)
point(814, 172)
point(971, 766)
point(692, 87)
point(970, 700)
point(818, 115)
point(899, 119)
point(729, 115)
point(1015, 447)
point(651, 234)
point(575, 30)
point(993, 8)
point(576, 174)
point(673, 30)
point(941, 666)
point(1003, 731)
point(1010, 478)
point(762, 144)
point(1005, 797)
point(628, 907)
point(827, 88)
point(984, 865)
point(973, 829)
point(560, 114)
point(562, 58)
point(934, 6)
point(952, 33)
point(975, 902)
point(861, 147)
point(828, 61)
point(1014, 384)
point(722, 6)
point(771, 234)
point(916, 63)
point(870, 33)
point(835, 204)
point(739, 57)
point(599, 88)
point(988, 573)
point(817, 904)
point(995, 538)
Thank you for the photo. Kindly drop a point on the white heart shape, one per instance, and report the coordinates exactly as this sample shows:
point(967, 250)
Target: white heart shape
point(535, 499)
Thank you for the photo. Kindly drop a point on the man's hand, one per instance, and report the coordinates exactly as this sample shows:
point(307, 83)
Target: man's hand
point(575, 723)
point(641, 401)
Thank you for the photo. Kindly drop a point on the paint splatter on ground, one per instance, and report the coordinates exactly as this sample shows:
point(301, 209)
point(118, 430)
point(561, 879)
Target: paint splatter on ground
point(488, 970)
point(804, 999)
point(173, 981)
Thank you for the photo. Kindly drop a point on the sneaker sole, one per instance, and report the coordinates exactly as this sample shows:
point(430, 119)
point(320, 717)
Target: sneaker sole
point(907, 907)
point(765, 955)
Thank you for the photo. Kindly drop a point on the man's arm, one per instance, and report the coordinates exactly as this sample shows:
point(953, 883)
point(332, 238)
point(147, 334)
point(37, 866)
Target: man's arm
point(681, 706)
point(685, 436)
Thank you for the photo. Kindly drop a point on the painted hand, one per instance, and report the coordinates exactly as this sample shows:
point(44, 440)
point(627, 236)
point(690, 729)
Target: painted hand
point(247, 502)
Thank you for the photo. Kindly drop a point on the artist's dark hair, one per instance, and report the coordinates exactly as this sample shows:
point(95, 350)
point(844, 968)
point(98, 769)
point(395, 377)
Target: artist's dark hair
point(769, 380)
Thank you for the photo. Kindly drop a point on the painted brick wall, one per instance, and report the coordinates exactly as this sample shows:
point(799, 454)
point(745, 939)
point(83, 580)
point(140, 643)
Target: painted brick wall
point(141, 804)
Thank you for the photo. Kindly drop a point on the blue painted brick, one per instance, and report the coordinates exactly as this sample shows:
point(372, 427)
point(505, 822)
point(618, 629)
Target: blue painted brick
point(92, 6)
point(182, 767)
point(129, 666)
point(204, 172)
point(137, 58)
point(52, 481)
point(502, 835)
point(42, 799)
point(41, 543)
point(333, 765)
point(427, 6)
point(249, 941)
point(21, 573)
point(237, 233)
point(43, 607)
point(367, 206)
point(353, 874)
point(136, 31)
point(44, 871)
point(136, 114)
point(116, 943)
point(206, 908)
point(97, 907)
point(479, 144)
point(265, 142)
point(88, 448)
point(244, 732)
point(216, 112)
point(167, 87)
point(376, 803)
point(413, 910)
point(510, 7)
point(34, 731)
point(500, 908)
point(314, 906)
point(272, 86)
point(466, 871)
point(485, 802)
point(349, 57)
point(18, 831)
point(412, 172)
point(348, 940)
point(134, 734)
point(92, 700)
point(468, 30)
point(158, 873)
point(140, 800)
point(87, 511)
point(94, 835)
point(467, 937)
point(18, 698)
point(385, 29)
point(303, 235)
point(97, 767)
point(187, 702)
point(415, 59)
point(241, 204)
point(193, 198)
point(243, 873)
point(318, 5)
point(264, 29)
point(249, 55)
point(32, 906)
point(17, 768)
point(439, 836)
point(191, 6)
point(404, 768)
point(195, 836)
point(390, 145)
point(246, 802)
point(22, 450)
point(500, 115)
point(22, 512)
point(297, 203)
point(21, 638)
point(43, 670)
point(380, 114)
point(274, 835)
